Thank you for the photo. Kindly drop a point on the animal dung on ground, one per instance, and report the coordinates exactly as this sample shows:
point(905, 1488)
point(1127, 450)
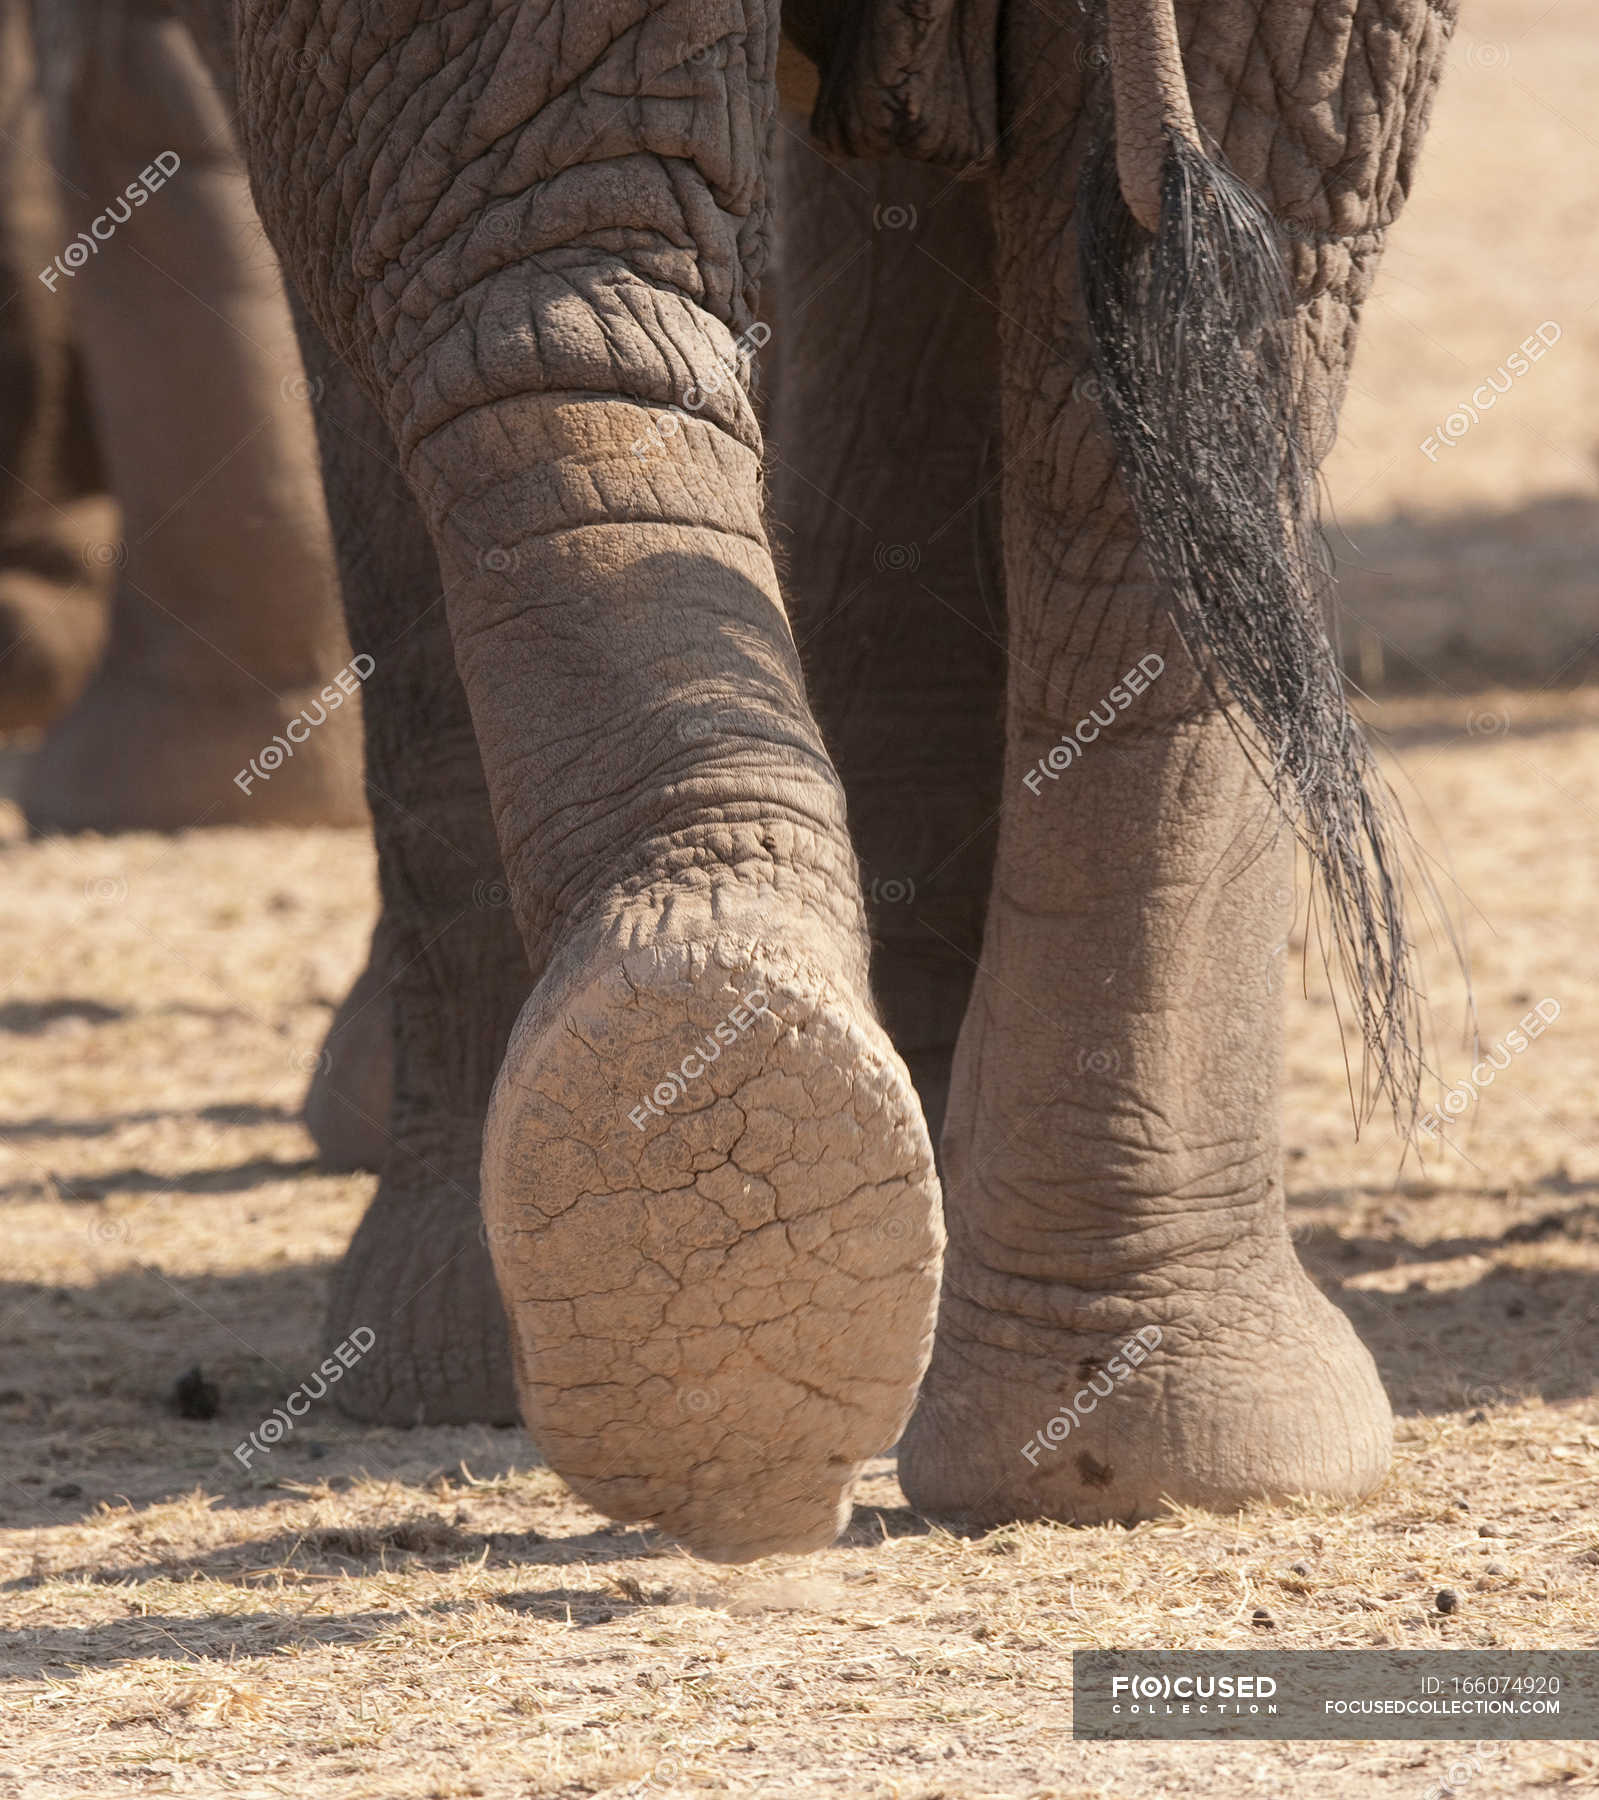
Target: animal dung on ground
point(194, 1397)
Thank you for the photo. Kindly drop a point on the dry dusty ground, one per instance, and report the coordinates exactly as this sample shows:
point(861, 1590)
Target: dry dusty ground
point(1484, 553)
point(427, 1613)
point(383, 1613)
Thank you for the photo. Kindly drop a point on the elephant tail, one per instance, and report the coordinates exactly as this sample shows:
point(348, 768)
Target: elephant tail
point(1191, 314)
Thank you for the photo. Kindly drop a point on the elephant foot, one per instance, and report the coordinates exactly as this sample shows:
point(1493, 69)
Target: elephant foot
point(712, 1206)
point(141, 753)
point(51, 636)
point(1048, 1403)
point(352, 1088)
point(418, 1277)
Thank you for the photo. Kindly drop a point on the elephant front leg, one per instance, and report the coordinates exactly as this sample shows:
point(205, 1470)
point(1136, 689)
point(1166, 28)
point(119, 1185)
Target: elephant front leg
point(53, 510)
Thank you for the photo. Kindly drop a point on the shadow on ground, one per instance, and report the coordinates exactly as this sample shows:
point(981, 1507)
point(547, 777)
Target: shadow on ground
point(297, 1559)
point(108, 1124)
point(1471, 600)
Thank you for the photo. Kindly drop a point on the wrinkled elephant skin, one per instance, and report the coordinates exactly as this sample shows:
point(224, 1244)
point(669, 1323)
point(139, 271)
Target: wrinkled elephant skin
point(533, 234)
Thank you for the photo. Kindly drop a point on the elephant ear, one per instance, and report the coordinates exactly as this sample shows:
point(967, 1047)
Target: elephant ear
point(913, 78)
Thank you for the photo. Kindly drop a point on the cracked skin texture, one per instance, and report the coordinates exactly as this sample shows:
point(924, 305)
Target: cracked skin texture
point(721, 1312)
point(708, 1327)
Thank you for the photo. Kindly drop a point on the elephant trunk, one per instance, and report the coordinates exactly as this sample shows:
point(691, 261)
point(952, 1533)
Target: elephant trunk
point(1205, 395)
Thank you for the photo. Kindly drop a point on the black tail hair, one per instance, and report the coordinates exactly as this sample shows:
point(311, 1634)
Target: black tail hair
point(1193, 336)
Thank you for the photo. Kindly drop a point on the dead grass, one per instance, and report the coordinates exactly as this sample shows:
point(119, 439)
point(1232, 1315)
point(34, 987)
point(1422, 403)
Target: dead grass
point(428, 1613)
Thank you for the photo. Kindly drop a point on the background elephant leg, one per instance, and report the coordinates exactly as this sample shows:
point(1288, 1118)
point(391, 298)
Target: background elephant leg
point(1112, 1151)
point(886, 504)
point(447, 976)
point(225, 622)
point(53, 504)
point(351, 1096)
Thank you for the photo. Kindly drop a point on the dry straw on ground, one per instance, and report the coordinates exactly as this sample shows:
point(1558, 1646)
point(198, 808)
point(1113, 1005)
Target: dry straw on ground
point(382, 1613)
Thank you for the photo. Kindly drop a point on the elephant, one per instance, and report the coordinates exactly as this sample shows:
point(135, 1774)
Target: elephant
point(163, 654)
point(1064, 310)
point(217, 589)
point(53, 504)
